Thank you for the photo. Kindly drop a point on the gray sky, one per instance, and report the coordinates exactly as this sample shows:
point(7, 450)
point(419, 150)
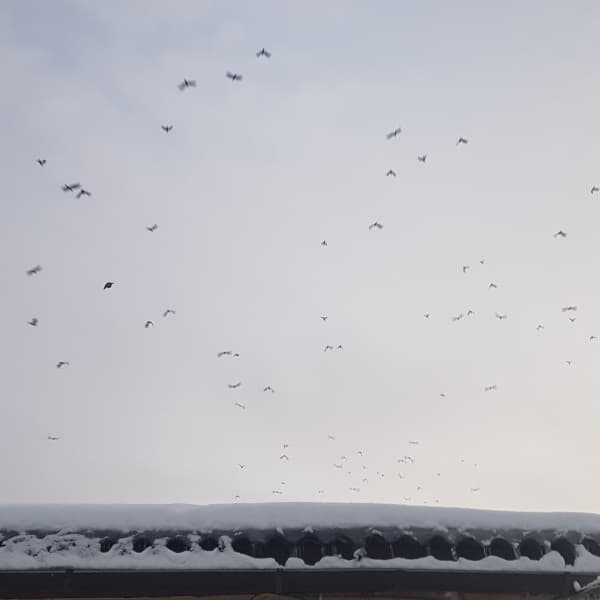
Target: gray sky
point(244, 188)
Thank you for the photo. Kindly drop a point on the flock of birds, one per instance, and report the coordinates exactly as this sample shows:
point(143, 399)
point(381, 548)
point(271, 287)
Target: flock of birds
point(357, 470)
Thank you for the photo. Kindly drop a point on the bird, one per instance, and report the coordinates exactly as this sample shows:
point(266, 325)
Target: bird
point(339, 347)
point(234, 386)
point(284, 457)
point(422, 158)
point(166, 128)
point(330, 437)
point(490, 388)
point(462, 140)
point(393, 134)
point(236, 355)
point(147, 324)
point(391, 173)
point(560, 233)
point(41, 161)
point(592, 191)
point(337, 466)
point(53, 438)
point(152, 228)
point(241, 466)
point(33, 322)
point(501, 317)
point(277, 492)
point(457, 317)
point(224, 353)
point(442, 395)
point(324, 243)
point(414, 442)
point(592, 338)
point(492, 286)
point(470, 313)
point(263, 52)
point(474, 490)
point(83, 192)
point(187, 83)
point(269, 389)
point(62, 363)
point(569, 308)
point(328, 347)
point(70, 188)
point(539, 327)
point(569, 362)
point(572, 319)
point(233, 76)
point(465, 268)
point(375, 225)
point(324, 318)
point(427, 315)
point(34, 270)
point(168, 312)
point(240, 405)
point(108, 285)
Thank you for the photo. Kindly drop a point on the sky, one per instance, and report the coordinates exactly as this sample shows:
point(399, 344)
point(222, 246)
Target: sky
point(254, 175)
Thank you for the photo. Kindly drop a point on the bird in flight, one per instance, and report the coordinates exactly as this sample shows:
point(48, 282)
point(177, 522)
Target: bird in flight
point(442, 395)
point(339, 347)
point(233, 76)
point(41, 161)
point(269, 389)
point(108, 285)
point(391, 173)
point(187, 83)
point(422, 158)
point(240, 405)
point(569, 362)
point(539, 327)
point(263, 52)
point(234, 386)
point(34, 270)
point(83, 192)
point(465, 268)
point(166, 128)
point(592, 338)
point(324, 243)
point(70, 188)
point(330, 437)
point(393, 134)
point(572, 319)
point(284, 457)
point(560, 233)
point(53, 438)
point(152, 227)
point(224, 353)
point(324, 318)
point(33, 322)
point(490, 388)
point(501, 317)
point(492, 286)
point(168, 312)
point(427, 315)
point(375, 225)
point(328, 347)
point(462, 140)
point(592, 191)
point(569, 308)
point(475, 489)
point(457, 317)
point(62, 363)
point(470, 313)
point(241, 466)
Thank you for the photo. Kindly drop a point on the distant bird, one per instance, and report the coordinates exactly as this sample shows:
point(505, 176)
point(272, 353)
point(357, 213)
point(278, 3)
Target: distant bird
point(33, 322)
point(490, 388)
point(240, 405)
point(168, 312)
point(83, 192)
point(393, 134)
point(492, 286)
point(442, 395)
point(233, 76)
point(277, 492)
point(284, 457)
point(539, 327)
point(427, 315)
point(187, 83)
point(592, 338)
point(339, 347)
point(234, 386)
point(328, 347)
point(263, 52)
point(269, 389)
point(62, 363)
point(70, 188)
point(572, 319)
point(241, 466)
point(470, 313)
point(337, 466)
point(422, 158)
point(147, 324)
point(324, 243)
point(224, 353)
point(592, 191)
point(457, 317)
point(236, 355)
point(462, 140)
point(360, 453)
point(560, 233)
point(166, 128)
point(324, 318)
point(236, 497)
point(474, 490)
point(391, 173)
point(375, 225)
point(34, 270)
point(108, 285)
point(414, 442)
point(569, 308)
point(482, 261)
point(152, 227)
point(41, 161)
point(569, 362)
point(465, 268)
point(330, 437)
point(501, 317)
point(53, 438)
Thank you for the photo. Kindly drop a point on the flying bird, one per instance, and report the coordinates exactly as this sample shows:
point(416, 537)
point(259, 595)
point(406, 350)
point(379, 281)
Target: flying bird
point(166, 128)
point(83, 192)
point(572, 319)
point(328, 347)
point(339, 347)
point(465, 268)
point(263, 52)
point(53, 438)
point(539, 327)
point(490, 388)
point(34, 270)
point(168, 312)
point(62, 363)
point(470, 313)
point(108, 285)
point(70, 188)
point(187, 83)
point(375, 225)
point(592, 338)
point(442, 395)
point(147, 324)
point(462, 140)
point(393, 134)
point(569, 362)
point(41, 161)
point(33, 322)
point(224, 353)
point(560, 233)
point(324, 243)
point(233, 76)
point(391, 173)
point(422, 158)
point(324, 318)
point(240, 405)
point(284, 457)
point(152, 227)
point(492, 286)
point(592, 191)
point(330, 437)
point(457, 317)
point(569, 308)
point(241, 466)
point(501, 317)
point(234, 386)
point(269, 389)
point(427, 315)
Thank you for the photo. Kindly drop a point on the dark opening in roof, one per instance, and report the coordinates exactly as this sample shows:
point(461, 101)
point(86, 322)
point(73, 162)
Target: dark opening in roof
point(178, 544)
point(310, 549)
point(277, 548)
point(141, 542)
point(503, 549)
point(567, 550)
point(341, 546)
point(440, 548)
point(591, 545)
point(470, 549)
point(377, 547)
point(242, 544)
point(209, 543)
point(407, 546)
point(531, 549)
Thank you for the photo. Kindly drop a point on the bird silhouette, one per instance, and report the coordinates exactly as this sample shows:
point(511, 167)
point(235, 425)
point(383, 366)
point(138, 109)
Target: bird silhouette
point(490, 388)
point(240, 405)
point(465, 268)
point(501, 317)
point(324, 318)
point(284, 457)
point(328, 347)
point(70, 187)
point(33, 322)
point(233, 76)
point(83, 192)
point(166, 128)
point(393, 134)
point(569, 362)
point(324, 243)
point(168, 312)
point(241, 466)
point(427, 315)
point(572, 319)
point(568, 308)
point(470, 313)
point(462, 140)
point(62, 363)
point(35, 270)
point(152, 228)
point(539, 327)
point(108, 285)
point(224, 353)
point(592, 338)
point(234, 386)
point(187, 83)
point(594, 189)
point(422, 158)
point(560, 233)
point(375, 225)
point(53, 438)
point(147, 324)
point(41, 161)
point(391, 173)
point(269, 389)
point(457, 317)
point(492, 286)
point(339, 347)
point(330, 437)
point(263, 52)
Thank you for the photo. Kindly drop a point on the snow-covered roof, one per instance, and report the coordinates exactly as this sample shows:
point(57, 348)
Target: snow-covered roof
point(294, 535)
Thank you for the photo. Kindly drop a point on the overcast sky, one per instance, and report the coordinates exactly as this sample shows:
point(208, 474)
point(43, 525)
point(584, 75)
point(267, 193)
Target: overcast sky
point(250, 180)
